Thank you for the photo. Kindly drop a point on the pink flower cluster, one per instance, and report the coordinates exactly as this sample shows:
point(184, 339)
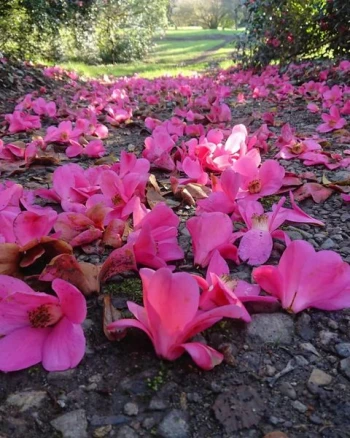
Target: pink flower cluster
point(107, 209)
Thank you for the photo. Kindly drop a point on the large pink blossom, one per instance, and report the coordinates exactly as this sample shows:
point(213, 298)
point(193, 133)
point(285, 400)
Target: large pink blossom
point(170, 316)
point(37, 327)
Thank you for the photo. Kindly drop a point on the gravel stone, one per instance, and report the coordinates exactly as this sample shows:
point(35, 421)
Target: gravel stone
point(343, 349)
point(345, 367)
point(157, 404)
point(174, 425)
point(127, 432)
point(300, 407)
point(26, 400)
point(271, 328)
point(328, 244)
point(287, 389)
point(131, 409)
point(319, 378)
point(72, 425)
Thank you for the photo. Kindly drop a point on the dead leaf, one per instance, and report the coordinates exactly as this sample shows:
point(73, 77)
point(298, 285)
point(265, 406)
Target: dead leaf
point(82, 275)
point(111, 314)
point(154, 197)
point(119, 261)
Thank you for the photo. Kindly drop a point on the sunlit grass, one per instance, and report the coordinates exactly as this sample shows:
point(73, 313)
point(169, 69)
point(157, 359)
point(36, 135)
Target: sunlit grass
point(170, 55)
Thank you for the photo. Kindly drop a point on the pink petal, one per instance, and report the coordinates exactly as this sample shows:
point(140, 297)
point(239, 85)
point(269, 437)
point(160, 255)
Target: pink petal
point(22, 348)
point(255, 247)
point(174, 297)
point(29, 226)
point(9, 285)
point(205, 357)
point(64, 347)
point(72, 301)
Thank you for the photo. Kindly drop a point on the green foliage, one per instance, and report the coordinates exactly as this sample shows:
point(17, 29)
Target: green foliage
point(286, 30)
point(89, 30)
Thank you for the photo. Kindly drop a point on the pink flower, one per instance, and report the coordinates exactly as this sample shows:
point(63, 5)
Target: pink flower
point(64, 133)
point(259, 182)
point(117, 115)
point(346, 198)
point(313, 108)
point(299, 149)
point(20, 121)
point(170, 316)
point(210, 232)
point(37, 327)
point(305, 278)
point(155, 237)
point(256, 244)
point(332, 120)
point(223, 196)
point(220, 289)
point(43, 108)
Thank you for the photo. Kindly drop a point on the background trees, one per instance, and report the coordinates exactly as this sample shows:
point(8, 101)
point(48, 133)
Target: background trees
point(91, 30)
point(287, 30)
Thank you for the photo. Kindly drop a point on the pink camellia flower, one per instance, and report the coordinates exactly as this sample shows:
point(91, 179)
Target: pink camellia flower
point(210, 232)
point(305, 278)
point(20, 121)
point(117, 115)
point(158, 147)
point(43, 108)
point(63, 133)
point(223, 196)
point(170, 316)
point(256, 244)
point(332, 120)
point(258, 182)
point(37, 327)
point(155, 237)
point(220, 289)
point(299, 149)
point(313, 108)
point(345, 197)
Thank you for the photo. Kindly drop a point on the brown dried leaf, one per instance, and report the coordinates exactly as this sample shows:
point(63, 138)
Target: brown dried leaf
point(120, 260)
point(111, 314)
point(82, 275)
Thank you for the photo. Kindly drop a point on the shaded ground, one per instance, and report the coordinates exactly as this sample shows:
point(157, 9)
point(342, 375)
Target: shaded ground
point(281, 373)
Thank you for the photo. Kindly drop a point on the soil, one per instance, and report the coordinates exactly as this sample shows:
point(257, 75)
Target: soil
point(267, 382)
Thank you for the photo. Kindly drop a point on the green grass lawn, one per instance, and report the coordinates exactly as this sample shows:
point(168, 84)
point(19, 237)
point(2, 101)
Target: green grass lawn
point(172, 55)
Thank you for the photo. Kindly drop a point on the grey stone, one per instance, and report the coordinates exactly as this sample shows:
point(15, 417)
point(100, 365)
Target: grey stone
point(295, 235)
point(27, 399)
point(60, 375)
point(127, 432)
point(174, 425)
point(328, 244)
point(327, 337)
point(271, 328)
point(157, 404)
point(149, 422)
point(287, 389)
point(319, 378)
point(298, 406)
point(345, 367)
point(343, 349)
point(96, 420)
point(131, 409)
point(72, 425)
